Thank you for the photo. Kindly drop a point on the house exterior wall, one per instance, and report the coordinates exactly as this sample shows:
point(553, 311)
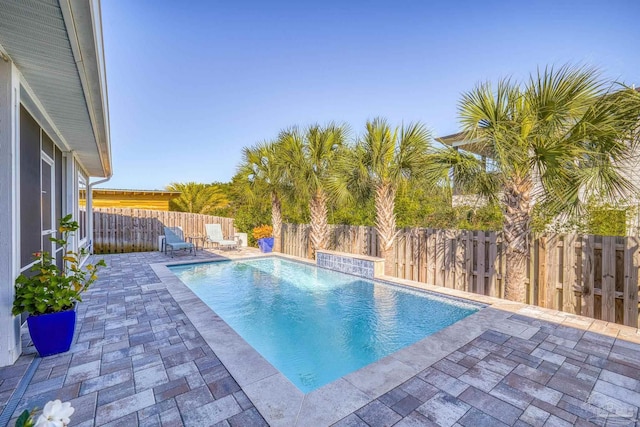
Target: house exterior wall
point(10, 348)
point(52, 86)
point(39, 183)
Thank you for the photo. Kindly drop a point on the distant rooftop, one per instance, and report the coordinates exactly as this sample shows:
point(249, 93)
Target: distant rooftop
point(460, 140)
point(106, 191)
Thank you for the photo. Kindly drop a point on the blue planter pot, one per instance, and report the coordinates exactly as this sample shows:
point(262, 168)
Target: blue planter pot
point(52, 333)
point(266, 244)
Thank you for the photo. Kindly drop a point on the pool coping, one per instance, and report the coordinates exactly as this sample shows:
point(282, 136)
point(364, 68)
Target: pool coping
point(281, 403)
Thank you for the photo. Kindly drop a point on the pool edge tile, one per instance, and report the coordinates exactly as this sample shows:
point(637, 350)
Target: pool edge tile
point(277, 399)
point(341, 396)
point(378, 377)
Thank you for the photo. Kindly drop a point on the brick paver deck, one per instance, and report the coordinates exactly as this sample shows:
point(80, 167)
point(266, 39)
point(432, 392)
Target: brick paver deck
point(561, 376)
point(138, 360)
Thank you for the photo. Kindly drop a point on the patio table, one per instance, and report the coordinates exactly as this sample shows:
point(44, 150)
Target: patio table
point(195, 239)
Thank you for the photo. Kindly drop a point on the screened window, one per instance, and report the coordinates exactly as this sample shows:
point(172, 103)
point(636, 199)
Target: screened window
point(30, 196)
point(47, 196)
point(41, 195)
point(58, 178)
point(48, 146)
point(58, 161)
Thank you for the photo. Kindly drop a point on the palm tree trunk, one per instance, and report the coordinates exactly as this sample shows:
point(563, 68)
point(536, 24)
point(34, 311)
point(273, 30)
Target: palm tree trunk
point(276, 222)
point(517, 231)
point(386, 224)
point(319, 224)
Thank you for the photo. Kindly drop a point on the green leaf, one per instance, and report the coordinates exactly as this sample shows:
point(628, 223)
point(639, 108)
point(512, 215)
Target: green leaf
point(23, 419)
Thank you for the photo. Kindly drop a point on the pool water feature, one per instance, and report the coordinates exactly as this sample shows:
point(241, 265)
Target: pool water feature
point(316, 325)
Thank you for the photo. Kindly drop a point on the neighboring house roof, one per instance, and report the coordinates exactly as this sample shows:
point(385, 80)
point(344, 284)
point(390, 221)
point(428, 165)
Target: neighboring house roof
point(452, 139)
point(57, 47)
point(458, 140)
point(148, 193)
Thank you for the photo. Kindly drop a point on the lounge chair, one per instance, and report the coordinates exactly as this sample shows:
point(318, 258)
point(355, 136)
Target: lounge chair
point(174, 240)
point(214, 235)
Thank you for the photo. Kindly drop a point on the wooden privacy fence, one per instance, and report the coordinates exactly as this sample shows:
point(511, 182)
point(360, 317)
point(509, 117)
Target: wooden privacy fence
point(595, 276)
point(117, 230)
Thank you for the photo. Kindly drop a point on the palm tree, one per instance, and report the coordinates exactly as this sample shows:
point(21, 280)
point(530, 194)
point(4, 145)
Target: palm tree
point(263, 169)
point(310, 157)
point(558, 139)
point(382, 160)
point(197, 197)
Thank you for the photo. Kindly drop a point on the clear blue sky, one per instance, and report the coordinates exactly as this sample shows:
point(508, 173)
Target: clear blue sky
point(192, 83)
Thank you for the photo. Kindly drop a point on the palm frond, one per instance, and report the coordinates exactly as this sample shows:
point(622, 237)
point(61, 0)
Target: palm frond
point(411, 150)
point(349, 179)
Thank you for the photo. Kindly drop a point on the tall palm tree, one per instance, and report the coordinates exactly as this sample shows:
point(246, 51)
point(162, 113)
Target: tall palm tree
point(310, 156)
point(380, 161)
point(263, 169)
point(197, 197)
point(558, 139)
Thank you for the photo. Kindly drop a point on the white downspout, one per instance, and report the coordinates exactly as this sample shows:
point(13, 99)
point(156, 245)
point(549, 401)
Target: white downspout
point(90, 209)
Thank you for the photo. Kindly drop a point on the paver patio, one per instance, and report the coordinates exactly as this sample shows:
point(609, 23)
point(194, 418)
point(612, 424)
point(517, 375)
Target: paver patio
point(137, 359)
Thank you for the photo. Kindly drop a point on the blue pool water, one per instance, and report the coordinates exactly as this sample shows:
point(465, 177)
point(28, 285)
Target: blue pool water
point(316, 325)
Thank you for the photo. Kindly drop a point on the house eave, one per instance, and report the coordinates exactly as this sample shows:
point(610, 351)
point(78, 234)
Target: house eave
point(462, 141)
point(83, 20)
point(58, 51)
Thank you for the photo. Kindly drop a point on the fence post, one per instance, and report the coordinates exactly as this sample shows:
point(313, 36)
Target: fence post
point(480, 265)
point(460, 245)
point(430, 249)
point(468, 257)
point(630, 294)
point(492, 262)
point(569, 300)
point(542, 270)
point(609, 278)
point(588, 276)
point(449, 265)
point(552, 271)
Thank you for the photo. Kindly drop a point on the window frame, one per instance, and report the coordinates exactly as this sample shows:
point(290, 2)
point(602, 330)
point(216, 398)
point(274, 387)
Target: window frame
point(82, 234)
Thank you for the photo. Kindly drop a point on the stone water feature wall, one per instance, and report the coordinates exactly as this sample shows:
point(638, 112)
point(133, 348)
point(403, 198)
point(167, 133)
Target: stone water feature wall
point(357, 265)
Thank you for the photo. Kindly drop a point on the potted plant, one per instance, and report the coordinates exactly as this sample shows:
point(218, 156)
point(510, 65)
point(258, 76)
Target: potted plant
point(264, 236)
point(49, 294)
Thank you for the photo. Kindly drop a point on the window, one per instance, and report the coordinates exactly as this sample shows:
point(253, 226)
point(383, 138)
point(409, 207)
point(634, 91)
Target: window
point(82, 208)
point(41, 195)
point(47, 201)
point(59, 199)
point(30, 191)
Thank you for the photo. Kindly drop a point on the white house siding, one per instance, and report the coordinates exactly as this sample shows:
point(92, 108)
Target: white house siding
point(52, 89)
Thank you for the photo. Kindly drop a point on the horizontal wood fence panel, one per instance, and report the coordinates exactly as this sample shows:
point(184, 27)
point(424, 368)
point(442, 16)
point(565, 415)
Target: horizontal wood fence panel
point(118, 230)
point(595, 276)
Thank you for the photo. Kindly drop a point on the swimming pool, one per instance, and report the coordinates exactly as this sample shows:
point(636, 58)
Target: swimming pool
point(316, 325)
